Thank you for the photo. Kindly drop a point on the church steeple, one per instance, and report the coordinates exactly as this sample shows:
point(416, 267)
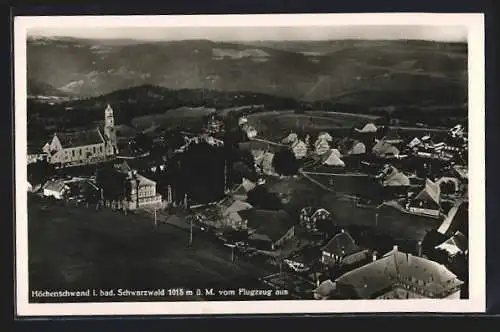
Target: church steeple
point(109, 129)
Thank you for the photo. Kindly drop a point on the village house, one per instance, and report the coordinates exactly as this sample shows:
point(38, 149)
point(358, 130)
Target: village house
point(311, 217)
point(85, 146)
point(324, 290)
point(427, 201)
point(250, 131)
point(393, 181)
point(241, 191)
point(230, 213)
point(35, 155)
point(392, 137)
point(331, 158)
point(398, 275)
point(142, 191)
point(357, 148)
point(299, 149)
point(214, 125)
point(298, 263)
point(297, 146)
point(383, 149)
point(55, 188)
point(343, 251)
point(368, 128)
point(457, 244)
point(267, 230)
point(322, 144)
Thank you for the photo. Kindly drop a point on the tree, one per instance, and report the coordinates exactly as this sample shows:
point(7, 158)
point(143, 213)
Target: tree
point(114, 184)
point(143, 143)
point(285, 163)
point(40, 172)
point(260, 198)
point(241, 170)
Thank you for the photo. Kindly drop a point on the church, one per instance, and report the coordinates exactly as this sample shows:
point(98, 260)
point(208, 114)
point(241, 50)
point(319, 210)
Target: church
point(85, 146)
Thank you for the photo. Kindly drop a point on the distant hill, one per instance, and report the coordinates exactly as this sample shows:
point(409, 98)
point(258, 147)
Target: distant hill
point(37, 88)
point(379, 73)
point(148, 96)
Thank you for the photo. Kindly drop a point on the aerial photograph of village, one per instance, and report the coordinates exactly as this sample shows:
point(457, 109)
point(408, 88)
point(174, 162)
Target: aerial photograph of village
point(189, 166)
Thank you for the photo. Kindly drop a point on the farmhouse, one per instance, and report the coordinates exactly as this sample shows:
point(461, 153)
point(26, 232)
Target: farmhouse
point(398, 275)
point(268, 230)
point(342, 250)
point(85, 146)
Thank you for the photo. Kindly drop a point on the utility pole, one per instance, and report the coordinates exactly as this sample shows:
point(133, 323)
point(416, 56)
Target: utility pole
point(190, 231)
point(232, 251)
point(156, 222)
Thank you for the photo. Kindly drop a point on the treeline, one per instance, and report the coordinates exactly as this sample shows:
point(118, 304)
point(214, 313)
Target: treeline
point(148, 100)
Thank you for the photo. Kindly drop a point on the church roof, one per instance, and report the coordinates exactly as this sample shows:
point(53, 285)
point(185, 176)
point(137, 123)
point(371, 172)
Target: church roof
point(80, 138)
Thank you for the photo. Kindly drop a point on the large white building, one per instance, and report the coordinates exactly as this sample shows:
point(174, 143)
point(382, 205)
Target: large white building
point(85, 146)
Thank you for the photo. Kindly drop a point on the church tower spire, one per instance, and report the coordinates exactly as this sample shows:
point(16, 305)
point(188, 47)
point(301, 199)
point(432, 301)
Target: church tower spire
point(109, 130)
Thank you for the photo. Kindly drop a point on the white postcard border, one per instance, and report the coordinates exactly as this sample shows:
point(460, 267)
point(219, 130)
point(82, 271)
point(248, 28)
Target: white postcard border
point(476, 303)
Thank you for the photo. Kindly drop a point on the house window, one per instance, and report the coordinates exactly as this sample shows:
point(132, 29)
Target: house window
point(73, 152)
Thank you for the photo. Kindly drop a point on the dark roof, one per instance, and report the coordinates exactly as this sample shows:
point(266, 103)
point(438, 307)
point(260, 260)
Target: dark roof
point(342, 245)
point(80, 138)
point(273, 224)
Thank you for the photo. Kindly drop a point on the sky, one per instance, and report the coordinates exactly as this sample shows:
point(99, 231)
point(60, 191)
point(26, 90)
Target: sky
point(433, 33)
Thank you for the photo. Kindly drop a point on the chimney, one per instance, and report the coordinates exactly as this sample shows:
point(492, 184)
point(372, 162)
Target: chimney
point(374, 256)
point(395, 248)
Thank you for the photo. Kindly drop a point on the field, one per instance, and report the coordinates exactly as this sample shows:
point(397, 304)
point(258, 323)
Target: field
point(185, 117)
point(76, 247)
point(275, 125)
